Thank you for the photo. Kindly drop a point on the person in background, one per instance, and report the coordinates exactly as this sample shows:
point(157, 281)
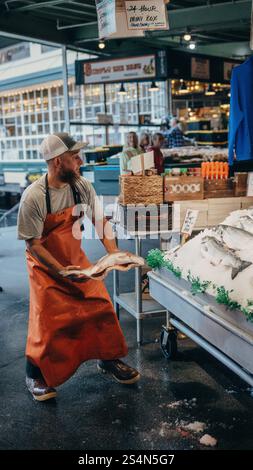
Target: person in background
point(175, 136)
point(157, 142)
point(130, 150)
point(144, 141)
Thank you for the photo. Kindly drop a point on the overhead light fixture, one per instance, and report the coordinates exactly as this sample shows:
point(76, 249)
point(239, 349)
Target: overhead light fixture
point(183, 88)
point(187, 37)
point(122, 90)
point(210, 91)
point(229, 94)
point(101, 44)
point(192, 45)
point(154, 87)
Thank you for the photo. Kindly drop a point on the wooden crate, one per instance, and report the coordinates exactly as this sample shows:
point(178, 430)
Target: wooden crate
point(141, 190)
point(219, 209)
point(218, 188)
point(241, 181)
point(181, 188)
point(179, 212)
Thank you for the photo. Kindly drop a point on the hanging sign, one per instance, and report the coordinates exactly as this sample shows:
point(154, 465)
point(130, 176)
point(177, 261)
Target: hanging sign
point(228, 67)
point(120, 70)
point(146, 14)
point(200, 68)
point(122, 30)
point(106, 13)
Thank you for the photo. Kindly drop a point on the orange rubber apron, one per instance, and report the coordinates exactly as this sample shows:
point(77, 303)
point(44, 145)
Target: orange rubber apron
point(69, 322)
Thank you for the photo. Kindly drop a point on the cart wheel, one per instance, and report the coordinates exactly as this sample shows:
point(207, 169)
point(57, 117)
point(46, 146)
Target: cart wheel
point(168, 341)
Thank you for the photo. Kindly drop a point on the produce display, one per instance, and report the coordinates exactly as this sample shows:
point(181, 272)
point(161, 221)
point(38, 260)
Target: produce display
point(208, 154)
point(218, 261)
point(215, 170)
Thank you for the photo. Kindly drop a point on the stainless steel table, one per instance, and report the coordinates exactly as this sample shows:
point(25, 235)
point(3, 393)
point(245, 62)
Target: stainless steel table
point(132, 302)
point(225, 334)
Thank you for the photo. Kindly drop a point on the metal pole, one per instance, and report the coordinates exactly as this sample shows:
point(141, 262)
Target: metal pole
point(138, 101)
point(169, 97)
point(138, 292)
point(105, 108)
point(116, 278)
point(65, 88)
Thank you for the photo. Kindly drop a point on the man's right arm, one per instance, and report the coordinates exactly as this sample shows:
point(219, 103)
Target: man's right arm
point(30, 229)
point(42, 254)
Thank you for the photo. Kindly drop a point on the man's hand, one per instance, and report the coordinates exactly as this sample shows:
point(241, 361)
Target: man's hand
point(74, 277)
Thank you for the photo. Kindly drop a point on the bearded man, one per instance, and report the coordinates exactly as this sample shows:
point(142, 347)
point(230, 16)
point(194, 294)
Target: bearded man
point(71, 319)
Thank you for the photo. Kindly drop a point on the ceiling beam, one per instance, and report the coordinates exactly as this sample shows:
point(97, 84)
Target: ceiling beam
point(202, 18)
point(38, 5)
point(41, 31)
point(210, 15)
point(31, 5)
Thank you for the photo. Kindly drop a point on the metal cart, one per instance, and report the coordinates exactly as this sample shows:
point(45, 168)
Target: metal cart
point(132, 302)
point(227, 335)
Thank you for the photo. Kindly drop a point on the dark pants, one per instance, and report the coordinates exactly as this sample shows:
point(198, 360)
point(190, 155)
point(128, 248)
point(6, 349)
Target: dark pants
point(32, 371)
point(243, 166)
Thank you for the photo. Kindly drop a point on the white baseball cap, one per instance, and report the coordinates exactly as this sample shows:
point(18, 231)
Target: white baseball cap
point(56, 144)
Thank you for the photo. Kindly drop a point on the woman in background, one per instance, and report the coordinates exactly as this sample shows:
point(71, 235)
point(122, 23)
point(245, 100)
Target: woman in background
point(130, 150)
point(157, 143)
point(145, 141)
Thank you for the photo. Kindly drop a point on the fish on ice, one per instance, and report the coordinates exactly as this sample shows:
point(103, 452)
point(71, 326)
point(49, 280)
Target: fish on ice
point(217, 254)
point(246, 223)
point(234, 237)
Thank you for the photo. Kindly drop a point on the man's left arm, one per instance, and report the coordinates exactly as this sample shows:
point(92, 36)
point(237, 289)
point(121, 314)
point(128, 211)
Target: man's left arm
point(104, 228)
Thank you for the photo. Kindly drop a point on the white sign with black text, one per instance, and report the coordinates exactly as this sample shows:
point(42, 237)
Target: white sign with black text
point(189, 221)
point(146, 14)
point(119, 70)
point(250, 184)
point(106, 13)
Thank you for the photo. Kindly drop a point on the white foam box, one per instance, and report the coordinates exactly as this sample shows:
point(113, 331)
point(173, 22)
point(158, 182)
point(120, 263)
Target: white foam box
point(179, 213)
point(219, 209)
point(246, 202)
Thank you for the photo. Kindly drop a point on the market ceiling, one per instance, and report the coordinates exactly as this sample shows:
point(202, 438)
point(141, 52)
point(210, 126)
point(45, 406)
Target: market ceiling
point(218, 27)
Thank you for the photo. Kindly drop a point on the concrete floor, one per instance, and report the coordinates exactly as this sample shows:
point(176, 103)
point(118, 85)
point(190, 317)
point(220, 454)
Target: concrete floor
point(93, 412)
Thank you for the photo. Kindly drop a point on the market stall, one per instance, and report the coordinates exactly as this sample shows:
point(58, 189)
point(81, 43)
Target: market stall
point(206, 284)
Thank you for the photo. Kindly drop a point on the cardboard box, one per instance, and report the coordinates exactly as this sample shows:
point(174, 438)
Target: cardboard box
point(181, 188)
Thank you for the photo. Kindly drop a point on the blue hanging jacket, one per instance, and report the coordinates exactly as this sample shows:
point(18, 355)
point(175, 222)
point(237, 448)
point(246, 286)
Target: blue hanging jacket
point(241, 113)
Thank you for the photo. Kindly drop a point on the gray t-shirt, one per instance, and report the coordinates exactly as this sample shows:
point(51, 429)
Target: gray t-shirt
point(33, 208)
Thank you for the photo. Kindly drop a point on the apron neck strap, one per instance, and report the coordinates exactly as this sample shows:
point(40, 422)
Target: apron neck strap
point(76, 195)
point(48, 203)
